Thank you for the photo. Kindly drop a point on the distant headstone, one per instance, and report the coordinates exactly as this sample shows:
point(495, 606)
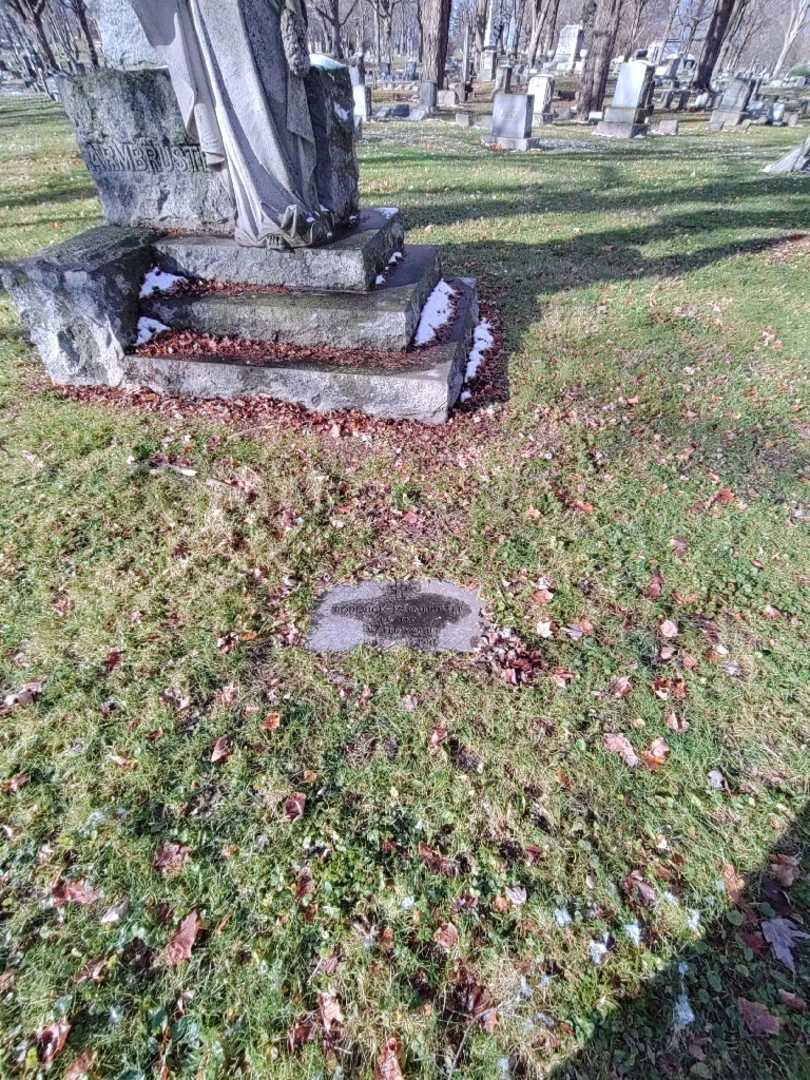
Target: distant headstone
point(428, 94)
point(776, 114)
point(446, 99)
point(430, 615)
point(628, 113)
point(730, 110)
point(123, 42)
point(465, 119)
point(667, 127)
point(541, 88)
point(503, 79)
point(512, 116)
point(410, 71)
point(569, 46)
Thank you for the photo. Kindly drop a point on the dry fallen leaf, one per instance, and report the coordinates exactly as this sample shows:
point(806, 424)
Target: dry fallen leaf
point(783, 936)
point(179, 948)
point(446, 937)
point(74, 892)
point(619, 744)
point(331, 1015)
point(668, 629)
point(222, 749)
point(92, 972)
point(388, 1067)
point(759, 1020)
point(621, 686)
point(51, 1040)
point(272, 722)
point(657, 754)
point(12, 786)
point(785, 869)
point(792, 1001)
point(171, 858)
point(80, 1069)
point(735, 885)
point(437, 738)
point(655, 588)
point(295, 805)
point(27, 695)
point(636, 886)
point(677, 723)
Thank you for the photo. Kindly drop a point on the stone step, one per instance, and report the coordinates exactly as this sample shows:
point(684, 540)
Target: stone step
point(385, 318)
point(351, 263)
point(424, 387)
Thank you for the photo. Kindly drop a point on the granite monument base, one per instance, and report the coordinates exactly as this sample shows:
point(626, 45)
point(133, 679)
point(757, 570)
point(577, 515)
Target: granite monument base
point(503, 142)
point(722, 120)
point(623, 123)
point(83, 302)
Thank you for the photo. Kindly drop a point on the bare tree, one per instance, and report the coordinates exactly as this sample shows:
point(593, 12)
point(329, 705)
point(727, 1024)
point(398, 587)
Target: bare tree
point(595, 73)
point(639, 7)
point(543, 11)
point(383, 28)
point(328, 11)
point(798, 15)
point(715, 36)
point(435, 36)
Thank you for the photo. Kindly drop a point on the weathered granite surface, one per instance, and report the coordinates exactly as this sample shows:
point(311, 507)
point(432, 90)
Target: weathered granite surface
point(425, 390)
point(512, 116)
point(429, 615)
point(796, 160)
point(123, 42)
point(331, 107)
point(351, 262)
point(628, 114)
point(385, 318)
point(79, 302)
point(148, 172)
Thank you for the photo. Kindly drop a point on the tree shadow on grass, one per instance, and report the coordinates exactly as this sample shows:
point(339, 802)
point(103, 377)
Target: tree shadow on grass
point(687, 1022)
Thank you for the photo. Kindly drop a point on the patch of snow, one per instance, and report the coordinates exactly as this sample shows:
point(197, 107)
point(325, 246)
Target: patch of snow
point(598, 951)
point(159, 281)
point(694, 921)
point(342, 114)
point(395, 258)
point(716, 780)
point(407, 903)
point(562, 917)
point(437, 312)
point(482, 341)
point(465, 395)
point(633, 931)
point(327, 63)
point(683, 967)
point(671, 898)
point(683, 1014)
point(525, 990)
point(503, 1066)
point(148, 328)
point(379, 279)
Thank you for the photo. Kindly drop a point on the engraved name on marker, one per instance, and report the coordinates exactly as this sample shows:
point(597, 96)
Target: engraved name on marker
point(430, 615)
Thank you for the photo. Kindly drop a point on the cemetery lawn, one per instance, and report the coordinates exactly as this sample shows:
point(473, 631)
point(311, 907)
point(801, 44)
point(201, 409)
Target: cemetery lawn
point(430, 863)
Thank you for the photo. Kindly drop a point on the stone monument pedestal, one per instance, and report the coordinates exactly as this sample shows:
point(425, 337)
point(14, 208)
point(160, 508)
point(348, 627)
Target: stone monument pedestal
point(164, 297)
point(512, 116)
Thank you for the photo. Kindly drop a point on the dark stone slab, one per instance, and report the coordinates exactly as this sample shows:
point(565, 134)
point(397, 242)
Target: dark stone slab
point(434, 616)
point(79, 301)
point(385, 318)
point(148, 172)
point(331, 107)
point(350, 263)
point(425, 387)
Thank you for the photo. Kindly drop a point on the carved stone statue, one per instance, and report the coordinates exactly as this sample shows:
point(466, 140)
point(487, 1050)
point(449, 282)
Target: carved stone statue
point(238, 70)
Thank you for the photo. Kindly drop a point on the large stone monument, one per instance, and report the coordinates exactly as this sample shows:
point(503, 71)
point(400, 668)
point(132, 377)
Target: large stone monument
point(629, 112)
point(235, 259)
point(729, 112)
point(569, 46)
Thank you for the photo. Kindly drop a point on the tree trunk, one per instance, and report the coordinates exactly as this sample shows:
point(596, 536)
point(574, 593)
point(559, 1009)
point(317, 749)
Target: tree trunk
point(715, 36)
point(80, 8)
point(597, 63)
point(435, 32)
point(542, 9)
point(798, 15)
point(551, 27)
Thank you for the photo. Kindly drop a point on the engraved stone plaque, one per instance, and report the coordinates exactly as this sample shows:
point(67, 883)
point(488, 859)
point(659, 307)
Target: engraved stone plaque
point(435, 616)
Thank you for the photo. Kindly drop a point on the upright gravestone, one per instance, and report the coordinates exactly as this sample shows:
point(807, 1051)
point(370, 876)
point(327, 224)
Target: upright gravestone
point(503, 79)
point(428, 94)
point(629, 112)
point(729, 111)
point(569, 46)
point(541, 88)
point(223, 211)
point(512, 123)
point(409, 73)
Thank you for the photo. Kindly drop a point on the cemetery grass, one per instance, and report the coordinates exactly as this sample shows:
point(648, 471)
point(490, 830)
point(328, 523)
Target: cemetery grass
point(466, 846)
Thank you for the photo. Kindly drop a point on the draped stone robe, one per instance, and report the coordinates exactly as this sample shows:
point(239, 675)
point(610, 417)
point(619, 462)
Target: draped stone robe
point(249, 111)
